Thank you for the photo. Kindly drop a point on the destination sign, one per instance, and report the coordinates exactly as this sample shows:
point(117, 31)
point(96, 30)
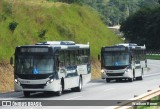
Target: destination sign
point(115, 49)
point(34, 50)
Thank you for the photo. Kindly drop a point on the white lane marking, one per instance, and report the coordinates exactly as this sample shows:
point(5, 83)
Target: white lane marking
point(7, 99)
point(110, 107)
point(108, 89)
point(10, 98)
point(73, 98)
point(151, 74)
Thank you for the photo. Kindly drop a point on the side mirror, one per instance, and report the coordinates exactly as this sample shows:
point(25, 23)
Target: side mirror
point(99, 57)
point(11, 60)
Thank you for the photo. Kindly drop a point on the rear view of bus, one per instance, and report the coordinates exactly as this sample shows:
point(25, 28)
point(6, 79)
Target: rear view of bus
point(123, 61)
point(51, 66)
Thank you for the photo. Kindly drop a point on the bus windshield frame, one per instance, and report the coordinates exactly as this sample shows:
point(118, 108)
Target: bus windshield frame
point(116, 58)
point(34, 64)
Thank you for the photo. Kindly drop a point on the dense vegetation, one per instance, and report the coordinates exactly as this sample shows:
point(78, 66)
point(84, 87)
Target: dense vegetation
point(113, 12)
point(144, 28)
point(139, 19)
point(28, 22)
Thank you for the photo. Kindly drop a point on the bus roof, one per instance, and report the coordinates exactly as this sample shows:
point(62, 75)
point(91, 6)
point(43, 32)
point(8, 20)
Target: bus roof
point(58, 44)
point(120, 47)
point(132, 45)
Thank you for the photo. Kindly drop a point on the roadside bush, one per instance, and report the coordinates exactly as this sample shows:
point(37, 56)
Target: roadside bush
point(41, 33)
point(12, 26)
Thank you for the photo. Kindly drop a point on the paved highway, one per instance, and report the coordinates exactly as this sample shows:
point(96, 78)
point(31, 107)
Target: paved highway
point(99, 90)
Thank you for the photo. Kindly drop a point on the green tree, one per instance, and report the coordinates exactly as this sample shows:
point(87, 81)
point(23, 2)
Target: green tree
point(122, 8)
point(149, 3)
point(143, 28)
point(114, 12)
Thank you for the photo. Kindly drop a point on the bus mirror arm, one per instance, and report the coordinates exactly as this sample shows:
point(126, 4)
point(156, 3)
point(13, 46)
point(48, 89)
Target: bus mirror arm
point(11, 60)
point(99, 57)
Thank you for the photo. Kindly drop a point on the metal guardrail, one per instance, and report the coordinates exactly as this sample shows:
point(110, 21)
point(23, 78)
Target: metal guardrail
point(144, 97)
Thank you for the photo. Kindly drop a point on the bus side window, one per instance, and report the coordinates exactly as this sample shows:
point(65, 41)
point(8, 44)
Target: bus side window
point(67, 56)
point(86, 58)
point(80, 57)
point(72, 57)
point(88, 54)
point(57, 62)
point(62, 59)
point(76, 57)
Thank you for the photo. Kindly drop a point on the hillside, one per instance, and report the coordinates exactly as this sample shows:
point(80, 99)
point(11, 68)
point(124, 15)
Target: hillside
point(28, 22)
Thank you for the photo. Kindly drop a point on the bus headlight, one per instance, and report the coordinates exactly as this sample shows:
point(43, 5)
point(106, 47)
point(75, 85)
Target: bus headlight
point(127, 70)
point(50, 81)
point(102, 70)
point(16, 80)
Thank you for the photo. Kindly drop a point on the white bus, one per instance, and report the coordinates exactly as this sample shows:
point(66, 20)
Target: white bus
point(123, 61)
point(51, 66)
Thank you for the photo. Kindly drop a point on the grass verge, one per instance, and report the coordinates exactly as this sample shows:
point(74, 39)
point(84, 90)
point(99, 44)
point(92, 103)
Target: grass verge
point(154, 57)
point(155, 101)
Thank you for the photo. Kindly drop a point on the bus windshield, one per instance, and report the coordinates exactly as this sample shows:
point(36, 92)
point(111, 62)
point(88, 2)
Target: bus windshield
point(116, 59)
point(34, 64)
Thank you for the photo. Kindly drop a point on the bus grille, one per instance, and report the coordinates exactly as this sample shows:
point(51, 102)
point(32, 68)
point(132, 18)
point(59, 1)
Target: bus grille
point(114, 74)
point(32, 86)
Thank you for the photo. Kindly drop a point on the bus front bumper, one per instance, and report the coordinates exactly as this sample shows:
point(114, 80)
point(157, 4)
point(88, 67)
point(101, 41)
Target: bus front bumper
point(116, 75)
point(36, 85)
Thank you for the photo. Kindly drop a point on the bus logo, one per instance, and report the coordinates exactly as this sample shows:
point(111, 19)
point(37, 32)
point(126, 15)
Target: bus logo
point(35, 71)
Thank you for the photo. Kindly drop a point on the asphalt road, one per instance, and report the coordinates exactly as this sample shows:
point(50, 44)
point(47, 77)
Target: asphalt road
point(97, 90)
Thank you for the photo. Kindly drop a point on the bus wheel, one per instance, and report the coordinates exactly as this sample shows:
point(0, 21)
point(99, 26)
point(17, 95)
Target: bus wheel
point(130, 79)
point(26, 93)
point(79, 88)
point(141, 77)
point(107, 80)
point(59, 93)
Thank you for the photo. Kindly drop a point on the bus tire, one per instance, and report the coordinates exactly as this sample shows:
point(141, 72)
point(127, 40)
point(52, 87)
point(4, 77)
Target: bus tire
point(79, 88)
point(107, 80)
point(26, 93)
point(73, 89)
point(141, 77)
point(59, 93)
point(130, 79)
